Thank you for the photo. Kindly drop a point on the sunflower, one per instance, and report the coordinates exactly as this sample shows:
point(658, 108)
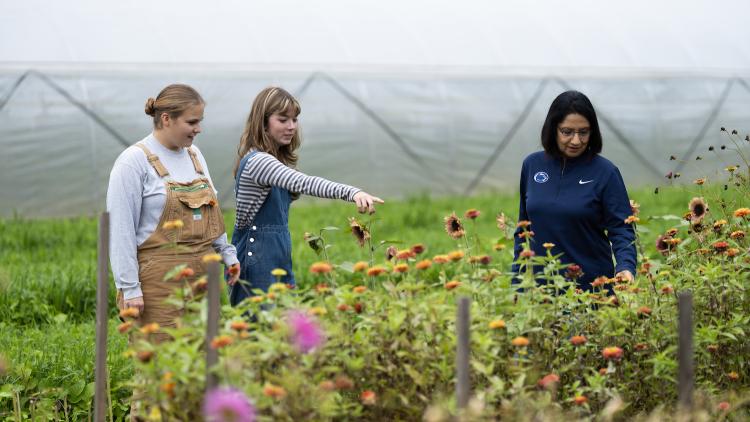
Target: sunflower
point(453, 226)
point(359, 232)
point(698, 210)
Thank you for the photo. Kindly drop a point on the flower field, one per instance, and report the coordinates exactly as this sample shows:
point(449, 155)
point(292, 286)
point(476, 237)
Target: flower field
point(369, 332)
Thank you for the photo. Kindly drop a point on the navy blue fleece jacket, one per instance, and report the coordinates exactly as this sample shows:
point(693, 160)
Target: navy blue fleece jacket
point(580, 205)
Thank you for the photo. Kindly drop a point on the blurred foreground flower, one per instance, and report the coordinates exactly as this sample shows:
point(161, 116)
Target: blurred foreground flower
point(225, 404)
point(305, 334)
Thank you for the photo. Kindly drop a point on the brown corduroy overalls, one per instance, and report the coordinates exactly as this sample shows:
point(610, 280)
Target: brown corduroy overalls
point(195, 204)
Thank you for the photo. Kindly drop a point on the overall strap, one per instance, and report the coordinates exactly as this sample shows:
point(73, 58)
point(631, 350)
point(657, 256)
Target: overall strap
point(243, 162)
point(196, 162)
point(154, 161)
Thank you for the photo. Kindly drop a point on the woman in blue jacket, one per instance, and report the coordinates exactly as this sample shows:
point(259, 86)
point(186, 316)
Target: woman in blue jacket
point(575, 198)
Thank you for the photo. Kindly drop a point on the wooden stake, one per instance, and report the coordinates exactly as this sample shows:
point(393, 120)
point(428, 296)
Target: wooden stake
point(102, 318)
point(685, 380)
point(463, 390)
point(212, 326)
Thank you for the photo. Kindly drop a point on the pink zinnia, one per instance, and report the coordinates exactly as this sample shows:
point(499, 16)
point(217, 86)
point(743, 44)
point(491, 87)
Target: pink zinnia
point(306, 334)
point(225, 404)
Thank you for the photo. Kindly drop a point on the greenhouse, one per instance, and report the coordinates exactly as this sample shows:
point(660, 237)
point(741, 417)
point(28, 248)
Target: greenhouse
point(430, 99)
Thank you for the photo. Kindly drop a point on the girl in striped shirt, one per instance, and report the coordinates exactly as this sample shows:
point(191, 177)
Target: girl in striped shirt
point(266, 183)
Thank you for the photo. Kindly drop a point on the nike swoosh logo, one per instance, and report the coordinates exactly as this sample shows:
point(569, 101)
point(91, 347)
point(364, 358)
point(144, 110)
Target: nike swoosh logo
point(583, 182)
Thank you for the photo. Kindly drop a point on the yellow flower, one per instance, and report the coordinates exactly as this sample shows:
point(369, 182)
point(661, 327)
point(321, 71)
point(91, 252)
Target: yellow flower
point(455, 255)
point(278, 272)
point(256, 299)
point(173, 224)
point(150, 328)
point(317, 311)
point(277, 287)
point(499, 246)
point(212, 257)
point(549, 245)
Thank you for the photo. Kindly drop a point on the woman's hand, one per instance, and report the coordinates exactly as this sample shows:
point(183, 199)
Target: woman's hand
point(136, 302)
point(234, 274)
point(625, 275)
point(366, 202)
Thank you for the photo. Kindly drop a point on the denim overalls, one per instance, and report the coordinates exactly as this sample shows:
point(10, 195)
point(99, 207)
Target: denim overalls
point(263, 245)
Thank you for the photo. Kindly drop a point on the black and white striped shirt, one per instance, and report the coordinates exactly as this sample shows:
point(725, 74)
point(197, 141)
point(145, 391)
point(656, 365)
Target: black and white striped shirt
point(263, 171)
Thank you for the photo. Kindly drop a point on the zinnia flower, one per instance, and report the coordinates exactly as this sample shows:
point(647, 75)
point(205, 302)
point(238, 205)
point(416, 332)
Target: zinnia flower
point(455, 255)
point(549, 381)
point(274, 391)
point(548, 245)
point(612, 353)
point(359, 289)
point(578, 340)
point(321, 268)
point(635, 208)
point(405, 254)
point(150, 328)
point(526, 253)
point(317, 311)
point(472, 214)
point(360, 266)
point(632, 219)
point(700, 181)
point(720, 246)
point(417, 249)
point(343, 307)
point(401, 268)
point(306, 334)
point(520, 342)
point(342, 382)
point(661, 244)
point(526, 234)
point(497, 324)
point(580, 400)
point(376, 271)
point(644, 311)
point(453, 226)
point(733, 376)
point(129, 313)
point(742, 212)
point(498, 246)
point(368, 397)
point(212, 257)
point(125, 327)
point(221, 341)
point(523, 224)
point(452, 284)
point(574, 271)
point(723, 406)
point(360, 233)
point(145, 356)
point(225, 404)
point(423, 264)
point(440, 259)
point(278, 272)
point(239, 325)
point(738, 234)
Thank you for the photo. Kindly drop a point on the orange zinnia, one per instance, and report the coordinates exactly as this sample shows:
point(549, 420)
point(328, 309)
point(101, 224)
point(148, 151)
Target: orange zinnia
point(321, 268)
point(452, 284)
point(520, 341)
point(423, 264)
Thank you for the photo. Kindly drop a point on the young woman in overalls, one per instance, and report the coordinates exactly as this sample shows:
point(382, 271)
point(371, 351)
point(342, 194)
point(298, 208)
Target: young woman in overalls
point(163, 209)
point(266, 184)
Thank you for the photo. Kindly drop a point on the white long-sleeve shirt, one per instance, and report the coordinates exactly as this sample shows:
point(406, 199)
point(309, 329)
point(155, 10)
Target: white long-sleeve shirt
point(135, 201)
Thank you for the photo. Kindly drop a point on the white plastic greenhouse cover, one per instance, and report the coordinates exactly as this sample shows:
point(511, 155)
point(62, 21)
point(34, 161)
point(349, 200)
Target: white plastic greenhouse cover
point(398, 97)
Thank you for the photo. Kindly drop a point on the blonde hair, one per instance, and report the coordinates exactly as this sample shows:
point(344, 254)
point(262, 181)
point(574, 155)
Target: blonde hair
point(174, 100)
point(269, 101)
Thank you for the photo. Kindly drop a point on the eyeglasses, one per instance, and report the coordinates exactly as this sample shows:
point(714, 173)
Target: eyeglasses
point(567, 132)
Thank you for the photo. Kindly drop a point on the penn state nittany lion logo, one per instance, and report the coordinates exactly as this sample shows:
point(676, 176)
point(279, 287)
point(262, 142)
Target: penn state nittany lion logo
point(541, 177)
